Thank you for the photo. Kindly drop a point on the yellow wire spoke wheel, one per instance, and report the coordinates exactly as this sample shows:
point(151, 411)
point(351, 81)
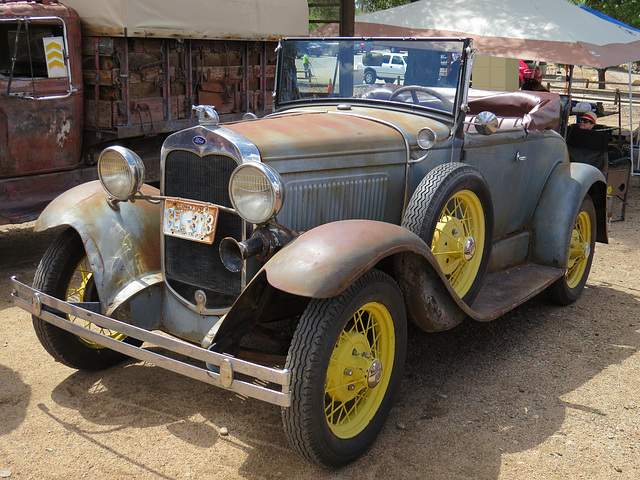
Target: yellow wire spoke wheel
point(346, 360)
point(579, 249)
point(458, 240)
point(568, 288)
point(452, 212)
point(359, 370)
point(78, 291)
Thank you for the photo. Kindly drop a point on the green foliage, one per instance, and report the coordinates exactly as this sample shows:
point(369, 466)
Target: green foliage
point(362, 6)
point(366, 6)
point(324, 13)
point(627, 11)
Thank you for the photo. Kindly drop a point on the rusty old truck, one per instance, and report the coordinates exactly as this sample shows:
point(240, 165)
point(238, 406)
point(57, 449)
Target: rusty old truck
point(78, 76)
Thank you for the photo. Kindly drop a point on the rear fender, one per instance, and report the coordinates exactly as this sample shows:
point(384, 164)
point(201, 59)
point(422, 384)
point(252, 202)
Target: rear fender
point(122, 245)
point(324, 261)
point(557, 209)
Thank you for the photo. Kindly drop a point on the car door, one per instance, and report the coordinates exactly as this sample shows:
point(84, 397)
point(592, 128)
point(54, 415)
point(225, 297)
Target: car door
point(516, 166)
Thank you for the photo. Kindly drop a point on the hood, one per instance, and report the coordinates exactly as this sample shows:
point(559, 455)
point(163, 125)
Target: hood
point(320, 134)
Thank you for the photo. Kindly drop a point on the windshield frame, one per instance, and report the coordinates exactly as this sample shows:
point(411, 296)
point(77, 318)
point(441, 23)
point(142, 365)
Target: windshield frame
point(284, 75)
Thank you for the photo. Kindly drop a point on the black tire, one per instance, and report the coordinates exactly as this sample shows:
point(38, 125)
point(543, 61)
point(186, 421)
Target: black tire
point(425, 216)
point(322, 388)
point(369, 77)
point(58, 270)
point(568, 288)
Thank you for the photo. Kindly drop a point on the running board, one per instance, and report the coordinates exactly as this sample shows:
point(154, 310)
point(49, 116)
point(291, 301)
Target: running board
point(523, 283)
point(245, 378)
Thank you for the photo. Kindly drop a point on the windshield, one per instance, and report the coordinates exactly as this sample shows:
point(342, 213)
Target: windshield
point(422, 72)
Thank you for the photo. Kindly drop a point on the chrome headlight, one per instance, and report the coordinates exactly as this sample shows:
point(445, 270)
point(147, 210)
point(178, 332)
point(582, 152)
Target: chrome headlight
point(427, 138)
point(121, 172)
point(256, 192)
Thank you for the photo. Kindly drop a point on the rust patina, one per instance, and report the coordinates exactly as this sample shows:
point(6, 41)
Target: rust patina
point(122, 245)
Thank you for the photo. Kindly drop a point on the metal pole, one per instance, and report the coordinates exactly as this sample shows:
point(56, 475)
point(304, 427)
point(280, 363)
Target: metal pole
point(631, 122)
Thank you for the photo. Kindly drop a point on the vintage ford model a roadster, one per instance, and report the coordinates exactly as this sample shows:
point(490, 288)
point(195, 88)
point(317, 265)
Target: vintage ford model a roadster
point(284, 256)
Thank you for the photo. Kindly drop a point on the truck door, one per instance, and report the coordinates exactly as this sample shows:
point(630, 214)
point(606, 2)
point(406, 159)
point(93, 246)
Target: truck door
point(40, 108)
point(397, 67)
point(392, 67)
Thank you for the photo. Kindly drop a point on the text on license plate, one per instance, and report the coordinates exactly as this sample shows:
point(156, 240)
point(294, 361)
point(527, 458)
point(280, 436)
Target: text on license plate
point(190, 220)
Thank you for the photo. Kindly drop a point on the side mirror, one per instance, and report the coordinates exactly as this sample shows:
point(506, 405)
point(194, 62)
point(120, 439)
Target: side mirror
point(486, 123)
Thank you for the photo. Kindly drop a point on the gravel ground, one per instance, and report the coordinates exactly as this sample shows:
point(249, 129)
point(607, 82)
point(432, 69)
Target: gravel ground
point(544, 392)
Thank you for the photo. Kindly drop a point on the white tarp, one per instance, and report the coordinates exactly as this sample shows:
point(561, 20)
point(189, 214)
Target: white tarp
point(241, 19)
point(545, 30)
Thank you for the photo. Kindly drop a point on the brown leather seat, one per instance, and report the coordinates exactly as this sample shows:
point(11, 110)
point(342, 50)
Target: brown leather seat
point(537, 111)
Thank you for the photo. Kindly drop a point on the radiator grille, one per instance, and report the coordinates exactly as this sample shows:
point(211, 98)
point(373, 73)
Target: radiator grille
point(310, 204)
point(192, 266)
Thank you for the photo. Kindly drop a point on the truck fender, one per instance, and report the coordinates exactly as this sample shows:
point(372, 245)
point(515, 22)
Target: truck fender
point(122, 244)
point(557, 209)
point(324, 261)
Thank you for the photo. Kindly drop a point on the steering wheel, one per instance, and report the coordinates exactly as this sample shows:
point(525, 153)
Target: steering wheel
point(418, 88)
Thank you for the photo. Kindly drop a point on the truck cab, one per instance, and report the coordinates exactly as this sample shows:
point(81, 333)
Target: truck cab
point(41, 107)
point(388, 66)
point(80, 76)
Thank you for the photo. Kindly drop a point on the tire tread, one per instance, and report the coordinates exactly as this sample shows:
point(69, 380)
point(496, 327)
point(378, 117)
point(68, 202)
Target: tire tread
point(305, 360)
point(51, 277)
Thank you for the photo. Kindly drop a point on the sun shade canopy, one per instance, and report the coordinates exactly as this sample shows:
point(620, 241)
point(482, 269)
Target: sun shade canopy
point(545, 30)
point(214, 19)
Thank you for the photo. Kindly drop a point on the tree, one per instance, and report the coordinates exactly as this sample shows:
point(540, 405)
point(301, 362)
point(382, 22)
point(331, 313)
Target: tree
point(320, 10)
point(626, 11)
point(366, 6)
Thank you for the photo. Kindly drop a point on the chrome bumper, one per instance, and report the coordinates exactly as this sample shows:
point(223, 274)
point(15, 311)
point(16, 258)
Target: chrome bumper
point(237, 375)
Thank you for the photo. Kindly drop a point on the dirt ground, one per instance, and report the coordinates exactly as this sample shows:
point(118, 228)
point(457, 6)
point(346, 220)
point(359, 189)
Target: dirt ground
point(544, 392)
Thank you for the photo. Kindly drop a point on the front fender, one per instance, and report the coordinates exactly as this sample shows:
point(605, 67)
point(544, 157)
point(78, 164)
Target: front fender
point(324, 261)
point(122, 246)
point(557, 209)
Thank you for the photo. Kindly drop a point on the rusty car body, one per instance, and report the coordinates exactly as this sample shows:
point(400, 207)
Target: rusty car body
point(284, 255)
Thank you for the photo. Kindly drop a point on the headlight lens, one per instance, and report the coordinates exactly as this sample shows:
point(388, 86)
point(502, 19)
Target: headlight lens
point(427, 138)
point(121, 172)
point(256, 192)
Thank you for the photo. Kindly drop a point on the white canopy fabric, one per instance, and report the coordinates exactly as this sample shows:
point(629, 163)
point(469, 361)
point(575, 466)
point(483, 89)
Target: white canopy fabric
point(214, 19)
point(545, 30)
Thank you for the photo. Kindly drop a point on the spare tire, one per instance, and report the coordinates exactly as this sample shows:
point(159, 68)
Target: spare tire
point(451, 210)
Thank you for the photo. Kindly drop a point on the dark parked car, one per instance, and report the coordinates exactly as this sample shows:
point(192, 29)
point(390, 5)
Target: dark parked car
point(310, 48)
point(283, 257)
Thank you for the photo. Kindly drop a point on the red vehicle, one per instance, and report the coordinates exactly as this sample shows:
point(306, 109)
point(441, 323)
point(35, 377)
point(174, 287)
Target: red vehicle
point(529, 69)
point(66, 93)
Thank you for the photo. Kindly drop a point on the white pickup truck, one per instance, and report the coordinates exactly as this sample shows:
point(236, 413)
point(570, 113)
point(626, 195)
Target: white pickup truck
point(386, 66)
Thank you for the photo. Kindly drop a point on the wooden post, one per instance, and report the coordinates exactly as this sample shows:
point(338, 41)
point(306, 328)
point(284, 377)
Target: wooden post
point(347, 18)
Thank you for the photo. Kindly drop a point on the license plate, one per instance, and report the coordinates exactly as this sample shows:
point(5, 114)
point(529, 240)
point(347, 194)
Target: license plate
point(190, 220)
